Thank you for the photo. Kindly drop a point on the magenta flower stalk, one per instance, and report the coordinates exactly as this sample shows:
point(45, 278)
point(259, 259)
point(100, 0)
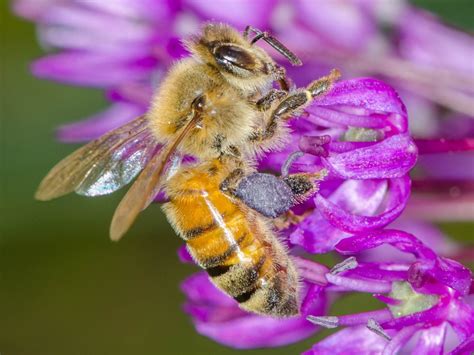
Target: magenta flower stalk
point(359, 135)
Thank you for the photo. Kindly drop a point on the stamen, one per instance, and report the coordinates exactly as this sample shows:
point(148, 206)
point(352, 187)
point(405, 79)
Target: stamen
point(326, 322)
point(370, 286)
point(289, 162)
point(375, 327)
point(347, 264)
point(381, 316)
point(311, 271)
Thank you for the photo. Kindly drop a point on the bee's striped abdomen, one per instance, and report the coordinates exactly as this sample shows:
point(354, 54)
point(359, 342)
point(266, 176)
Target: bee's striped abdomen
point(240, 253)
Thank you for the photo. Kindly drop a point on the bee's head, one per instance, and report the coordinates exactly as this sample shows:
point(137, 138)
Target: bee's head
point(240, 62)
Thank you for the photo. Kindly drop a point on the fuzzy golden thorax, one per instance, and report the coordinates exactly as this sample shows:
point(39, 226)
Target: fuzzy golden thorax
point(228, 118)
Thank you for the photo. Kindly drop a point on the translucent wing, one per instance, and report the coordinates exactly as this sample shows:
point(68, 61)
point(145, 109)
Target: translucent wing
point(147, 185)
point(103, 165)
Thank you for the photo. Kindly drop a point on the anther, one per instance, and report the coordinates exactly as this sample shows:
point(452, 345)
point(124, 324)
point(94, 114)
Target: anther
point(347, 264)
point(375, 327)
point(326, 322)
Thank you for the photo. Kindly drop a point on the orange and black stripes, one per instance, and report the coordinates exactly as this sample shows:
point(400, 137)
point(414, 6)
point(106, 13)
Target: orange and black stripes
point(240, 254)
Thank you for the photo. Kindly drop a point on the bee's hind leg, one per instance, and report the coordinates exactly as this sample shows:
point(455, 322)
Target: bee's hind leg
point(230, 183)
point(266, 102)
point(272, 195)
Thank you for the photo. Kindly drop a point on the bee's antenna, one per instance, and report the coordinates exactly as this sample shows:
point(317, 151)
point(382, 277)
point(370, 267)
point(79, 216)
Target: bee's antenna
point(272, 41)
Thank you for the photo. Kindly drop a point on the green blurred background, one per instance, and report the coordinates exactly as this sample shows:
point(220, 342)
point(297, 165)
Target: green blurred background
point(64, 287)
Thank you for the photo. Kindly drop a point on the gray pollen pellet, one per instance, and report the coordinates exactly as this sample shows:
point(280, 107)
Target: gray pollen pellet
point(266, 194)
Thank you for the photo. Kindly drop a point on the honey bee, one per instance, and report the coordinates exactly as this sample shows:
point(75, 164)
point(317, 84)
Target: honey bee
point(217, 105)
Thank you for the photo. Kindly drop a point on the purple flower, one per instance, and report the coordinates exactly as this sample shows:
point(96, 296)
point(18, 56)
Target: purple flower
point(358, 132)
point(218, 316)
point(425, 297)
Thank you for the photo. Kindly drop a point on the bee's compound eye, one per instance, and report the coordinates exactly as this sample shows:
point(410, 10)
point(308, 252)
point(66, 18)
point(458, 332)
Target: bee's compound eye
point(232, 55)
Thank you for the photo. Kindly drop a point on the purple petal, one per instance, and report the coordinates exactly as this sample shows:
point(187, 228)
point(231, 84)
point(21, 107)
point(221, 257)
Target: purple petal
point(218, 317)
point(347, 221)
point(152, 10)
point(399, 340)
point(316, 235)
point(441, 208)
point(393, 157)
point(73, 26)
point(349, 341)
point(378, 271)
point(447, 166)
point(33, 10)
point(311, 271)
point(115, 116)
point(214, 303)
point(445, 271)
point(184, 255)
point(425, 232)
point(235, 12)
point(94, 69)
point(366, 97)
point(430, 146)
point(401, 240)
point(358, 284)
point(465, 348)
point(381, 316)
point(332, 117)
point(431, 340)
point(461, 318)
point(456, 126)
point(341, 24)
point(425, 40)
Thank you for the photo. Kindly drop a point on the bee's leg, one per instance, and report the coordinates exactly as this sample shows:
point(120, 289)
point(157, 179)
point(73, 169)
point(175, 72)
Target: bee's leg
point(304, 185)
point(294, 103)
point(265, 103)
point(230, 183)
point(273, 196)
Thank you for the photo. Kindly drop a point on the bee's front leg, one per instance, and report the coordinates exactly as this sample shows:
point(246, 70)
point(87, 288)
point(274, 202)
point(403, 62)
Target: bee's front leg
point(266, 102)
point(294, 103)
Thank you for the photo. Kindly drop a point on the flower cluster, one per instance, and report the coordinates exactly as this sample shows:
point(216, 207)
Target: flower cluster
point(359, 133)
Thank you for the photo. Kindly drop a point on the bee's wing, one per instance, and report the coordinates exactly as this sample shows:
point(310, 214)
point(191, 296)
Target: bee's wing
point(147, 185)
point(103, 165)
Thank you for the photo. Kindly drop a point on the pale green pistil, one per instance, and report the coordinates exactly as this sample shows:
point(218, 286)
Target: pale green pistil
point(410, 300)
point(360, 134)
